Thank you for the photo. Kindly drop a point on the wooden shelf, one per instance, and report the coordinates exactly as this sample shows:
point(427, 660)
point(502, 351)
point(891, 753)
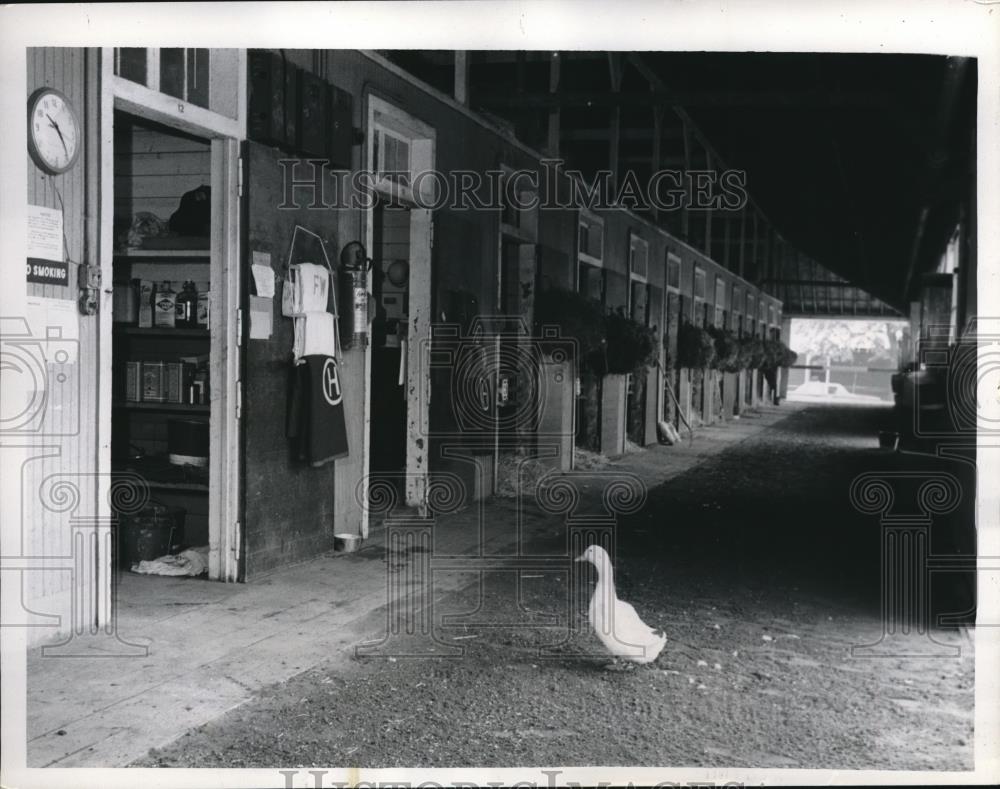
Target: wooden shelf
point(196, 408)
point(162, 331)
point(160, 475)
point(190, 487)
point(164, 254)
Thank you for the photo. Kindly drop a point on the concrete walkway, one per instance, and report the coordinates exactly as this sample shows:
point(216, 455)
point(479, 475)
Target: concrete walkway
point(210, 647)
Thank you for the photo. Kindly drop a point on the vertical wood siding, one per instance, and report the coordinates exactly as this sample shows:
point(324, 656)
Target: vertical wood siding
point(65, 451)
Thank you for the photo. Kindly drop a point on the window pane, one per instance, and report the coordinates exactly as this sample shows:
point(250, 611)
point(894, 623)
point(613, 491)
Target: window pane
point(637, 257)
point(172, 72)
point(511, 215)
point(197, 77)
point(640, 295)
point(673, 272)
point(699, 284)
point(131, 64)
point(591, 238)
point(592, 282)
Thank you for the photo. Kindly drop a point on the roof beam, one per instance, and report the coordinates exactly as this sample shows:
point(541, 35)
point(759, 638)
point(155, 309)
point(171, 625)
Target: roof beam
point(626, 135)
point(669, 162)
point(757, 99)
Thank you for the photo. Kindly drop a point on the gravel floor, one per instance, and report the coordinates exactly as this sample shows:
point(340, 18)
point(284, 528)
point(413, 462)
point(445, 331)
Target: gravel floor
point(762, 576)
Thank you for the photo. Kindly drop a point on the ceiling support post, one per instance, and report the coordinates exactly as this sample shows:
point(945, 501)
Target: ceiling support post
point(555, 116)
point(462, 76)
point(656, 153)
point(708, 211)
point(743, 241)
point(615, 66)
point(686, 211)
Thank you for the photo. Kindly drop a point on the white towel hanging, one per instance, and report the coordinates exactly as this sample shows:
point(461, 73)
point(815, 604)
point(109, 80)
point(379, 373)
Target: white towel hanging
point(314, 333)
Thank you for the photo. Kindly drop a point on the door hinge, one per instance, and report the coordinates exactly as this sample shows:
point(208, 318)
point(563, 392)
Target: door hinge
point(239, 177)
point(239, 399)
point(235, 550)
point(239, 326)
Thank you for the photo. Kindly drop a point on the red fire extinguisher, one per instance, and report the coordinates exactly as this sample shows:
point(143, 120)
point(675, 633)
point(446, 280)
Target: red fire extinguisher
point(354, 267)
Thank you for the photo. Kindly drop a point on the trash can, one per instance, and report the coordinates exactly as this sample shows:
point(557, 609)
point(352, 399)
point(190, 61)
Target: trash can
point(154, 531)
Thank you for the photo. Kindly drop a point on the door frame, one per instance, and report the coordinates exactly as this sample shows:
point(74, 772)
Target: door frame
point(224, 135)
point(422, 138)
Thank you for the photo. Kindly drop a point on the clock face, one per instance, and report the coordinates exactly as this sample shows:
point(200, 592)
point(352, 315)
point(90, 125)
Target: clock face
point(53, 131)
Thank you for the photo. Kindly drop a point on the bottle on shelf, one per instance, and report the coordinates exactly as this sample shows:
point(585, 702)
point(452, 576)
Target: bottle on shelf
point(187, 306)
point(146, 293)
point(196, 379)
point(200, 384)
point(202, 313)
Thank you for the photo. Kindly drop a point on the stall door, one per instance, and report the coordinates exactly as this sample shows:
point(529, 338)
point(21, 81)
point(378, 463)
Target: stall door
point(289, 504)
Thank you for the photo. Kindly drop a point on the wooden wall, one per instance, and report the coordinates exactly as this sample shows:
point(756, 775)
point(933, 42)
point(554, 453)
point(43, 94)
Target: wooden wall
point(154, 168)
point(395, 235)
point(62, 460)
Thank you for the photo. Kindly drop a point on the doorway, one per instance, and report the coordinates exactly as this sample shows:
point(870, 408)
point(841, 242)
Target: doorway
point(173, 370)
point(161, 341)
point(162, 361)
point(399, 146)
point(390, 274)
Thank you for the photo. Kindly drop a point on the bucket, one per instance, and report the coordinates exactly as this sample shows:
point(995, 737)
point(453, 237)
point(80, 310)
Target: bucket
point(346, 543)
point(187, 442)
point(154, 531)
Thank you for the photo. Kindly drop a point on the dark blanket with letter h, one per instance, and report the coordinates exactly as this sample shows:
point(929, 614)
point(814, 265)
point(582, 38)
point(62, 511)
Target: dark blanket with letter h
point(316, 411)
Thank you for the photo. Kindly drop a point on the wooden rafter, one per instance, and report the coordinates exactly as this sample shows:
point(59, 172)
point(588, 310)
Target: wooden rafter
point(755, 99)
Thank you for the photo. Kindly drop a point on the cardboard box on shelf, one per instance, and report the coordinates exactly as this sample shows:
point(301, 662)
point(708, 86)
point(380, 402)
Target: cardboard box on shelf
point(153, 389)
point(165, 306)
point(132, 378)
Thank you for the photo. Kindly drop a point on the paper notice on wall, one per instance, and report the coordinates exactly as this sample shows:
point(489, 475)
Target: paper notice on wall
point(55, 325)
point(45, 233)
point(260, 317)
point(263, 274)
point(46, 262)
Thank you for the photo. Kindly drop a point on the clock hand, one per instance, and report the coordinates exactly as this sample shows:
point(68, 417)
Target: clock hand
point(55, 126)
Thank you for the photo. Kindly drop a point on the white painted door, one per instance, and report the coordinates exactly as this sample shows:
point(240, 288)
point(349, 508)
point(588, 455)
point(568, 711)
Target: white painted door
point(224, 449)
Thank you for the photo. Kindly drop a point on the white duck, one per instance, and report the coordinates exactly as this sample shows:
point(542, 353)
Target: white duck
point(615, 622)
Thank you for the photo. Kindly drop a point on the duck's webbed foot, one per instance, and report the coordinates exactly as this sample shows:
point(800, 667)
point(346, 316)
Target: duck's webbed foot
point(619, 666)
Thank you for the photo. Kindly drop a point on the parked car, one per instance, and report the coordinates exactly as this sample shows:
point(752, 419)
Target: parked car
point(820, 391)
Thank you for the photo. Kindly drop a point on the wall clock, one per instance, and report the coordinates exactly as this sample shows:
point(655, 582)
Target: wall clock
point(53, 131)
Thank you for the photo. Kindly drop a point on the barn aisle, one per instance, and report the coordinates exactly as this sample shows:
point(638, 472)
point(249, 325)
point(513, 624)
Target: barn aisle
point(764, 575)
